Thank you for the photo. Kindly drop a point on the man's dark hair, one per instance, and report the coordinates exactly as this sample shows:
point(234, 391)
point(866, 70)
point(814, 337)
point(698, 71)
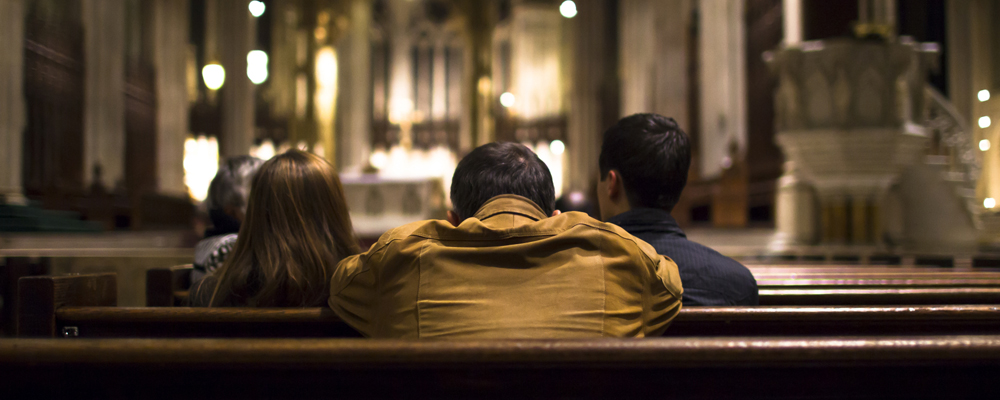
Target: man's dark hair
point(652, 156)
point(500, 168)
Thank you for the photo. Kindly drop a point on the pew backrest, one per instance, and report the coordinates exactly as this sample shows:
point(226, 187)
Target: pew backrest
point(168, 287)
point(776, 367)
point(41, 296)
point(180, 322)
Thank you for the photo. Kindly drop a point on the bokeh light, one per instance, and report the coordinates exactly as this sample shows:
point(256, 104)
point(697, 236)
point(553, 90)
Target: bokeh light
point(568, 9)
point(257, 8)
point(214, 76)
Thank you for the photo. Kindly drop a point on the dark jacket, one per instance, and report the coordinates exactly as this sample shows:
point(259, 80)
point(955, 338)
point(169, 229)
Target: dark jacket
point(709, 278)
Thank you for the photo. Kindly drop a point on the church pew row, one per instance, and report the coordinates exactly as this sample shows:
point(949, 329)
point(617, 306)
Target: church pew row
point(915, 367)
point(11, 271)
point(84, 306)
point(782, 285)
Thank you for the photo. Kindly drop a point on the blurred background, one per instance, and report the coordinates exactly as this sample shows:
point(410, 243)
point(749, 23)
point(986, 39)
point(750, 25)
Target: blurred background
point(817, 124)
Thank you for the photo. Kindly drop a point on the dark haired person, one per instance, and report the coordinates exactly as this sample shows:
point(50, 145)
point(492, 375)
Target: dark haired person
point(644, 166)
point(227, 207)
point(506, 264)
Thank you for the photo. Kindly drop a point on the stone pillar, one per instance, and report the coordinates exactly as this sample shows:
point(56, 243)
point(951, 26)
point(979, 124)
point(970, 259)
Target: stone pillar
point(653, 49)
point(792, 22)
point(170, 60)
point(585, 127)
point(796, 210)
point(104, 90)
point(236, 37)
point(12, 103)
point(354, 122)
point(479, 113)
point(439, 89)
point(723, 83)
point(401, 101)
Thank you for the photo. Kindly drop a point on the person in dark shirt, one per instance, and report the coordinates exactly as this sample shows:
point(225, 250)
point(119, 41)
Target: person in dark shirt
point(643, 169)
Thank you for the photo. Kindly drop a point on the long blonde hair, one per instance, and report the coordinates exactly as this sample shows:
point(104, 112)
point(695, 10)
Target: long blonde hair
point(296, 230)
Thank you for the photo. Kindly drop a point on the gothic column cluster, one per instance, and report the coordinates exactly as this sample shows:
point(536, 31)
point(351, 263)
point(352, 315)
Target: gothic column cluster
point(236, 34)
point(12, 103)
point(104, 85)
point(170, 59)
point(589, 92)
point(355, 120)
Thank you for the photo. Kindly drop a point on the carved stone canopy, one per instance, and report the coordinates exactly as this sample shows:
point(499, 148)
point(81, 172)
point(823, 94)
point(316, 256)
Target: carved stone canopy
point(848, 84)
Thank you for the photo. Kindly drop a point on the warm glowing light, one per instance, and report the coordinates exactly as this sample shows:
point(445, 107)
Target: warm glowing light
point(201, 162)
point(984, 144)
point(984, 122)
point(326, 66)
point(507, 99)
point(557, 147)
point(989, 202)
point(257, 8)
point(568, 9)
point(378, 159)
point(265, 151)
point(214, 76)
point(257, 66)
point(552, 159)
point(400, 111)
point(984, 95)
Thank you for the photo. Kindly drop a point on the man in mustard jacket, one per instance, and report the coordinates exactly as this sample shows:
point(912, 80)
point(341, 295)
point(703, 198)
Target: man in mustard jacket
point(506, 264)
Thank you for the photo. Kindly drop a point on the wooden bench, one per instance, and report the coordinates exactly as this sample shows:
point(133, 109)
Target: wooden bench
point(923, 367)
point(77, 314)
point(11, 271)
point(778, 285)
point(168, 287)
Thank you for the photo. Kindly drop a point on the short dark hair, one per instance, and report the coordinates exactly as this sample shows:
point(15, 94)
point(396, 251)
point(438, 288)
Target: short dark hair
point(231, 185)
point(501, 168)
point(652, 155)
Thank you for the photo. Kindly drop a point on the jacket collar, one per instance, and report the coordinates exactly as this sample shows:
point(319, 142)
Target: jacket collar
point(641, 220)
point(510, 204)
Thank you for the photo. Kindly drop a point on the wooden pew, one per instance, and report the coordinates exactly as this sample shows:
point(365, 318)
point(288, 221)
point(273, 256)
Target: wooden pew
point(78, 315)
point(921, 367)
point(11, 271)
point(41, 296)
point(168, 287)
point(778, 285)
point(160, 322)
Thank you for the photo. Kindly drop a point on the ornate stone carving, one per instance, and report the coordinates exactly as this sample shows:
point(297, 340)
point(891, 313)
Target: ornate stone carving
point(849, 115)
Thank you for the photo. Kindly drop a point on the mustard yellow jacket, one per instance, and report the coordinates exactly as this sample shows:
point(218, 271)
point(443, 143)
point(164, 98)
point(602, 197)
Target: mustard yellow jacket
point(508, 272)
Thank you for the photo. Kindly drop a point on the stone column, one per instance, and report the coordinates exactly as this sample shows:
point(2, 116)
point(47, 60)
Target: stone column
point(791, 18)
point(236, 35)
point(12, 104)
point(401, 100)
point(588, 43)
point(169, 57)
point(354, 121)
point(104, 89)
point(655, 67)
point(723, 83)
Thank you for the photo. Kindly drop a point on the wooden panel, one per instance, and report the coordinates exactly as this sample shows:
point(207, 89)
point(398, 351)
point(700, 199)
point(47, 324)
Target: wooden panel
point(53, 86)
point(41, 296)
point(926, 367)
point(869, 296)
point(159, 322)
point(162, 283)
point(13, 269)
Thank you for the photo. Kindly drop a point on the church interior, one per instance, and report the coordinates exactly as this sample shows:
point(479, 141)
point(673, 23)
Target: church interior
point(841, 149)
